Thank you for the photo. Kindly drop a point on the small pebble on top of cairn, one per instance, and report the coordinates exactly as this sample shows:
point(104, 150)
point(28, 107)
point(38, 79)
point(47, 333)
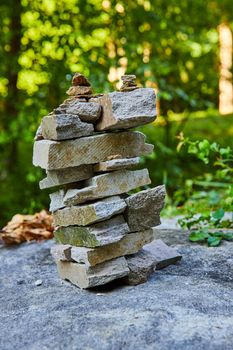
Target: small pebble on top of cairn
point(90, 154)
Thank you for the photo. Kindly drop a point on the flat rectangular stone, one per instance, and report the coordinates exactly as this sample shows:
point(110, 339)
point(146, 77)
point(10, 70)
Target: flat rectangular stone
point(84, 215)
point(64, 127)
point(88, 112)
point(116, 164)
point(61, 252)
point(106, 185)
point(141, 266)
point(102, 233)
point(66, 176)
point(89, 150)
point(123, 110)
point(87, 277)
point(131, 243)
point(143, 208)
point(162, 253)
point(56, 200)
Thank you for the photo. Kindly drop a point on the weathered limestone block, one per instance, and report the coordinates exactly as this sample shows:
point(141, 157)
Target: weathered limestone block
point(79, 90)
point(87, 277)
point(116, 164)
point(65, 176)
point(123, 110)
point(96, 235)
point(143, 208)
point(141, 266)
point(88, 112)
point(61, 252)
point(64, 127)
point(84, 215)
point(89, 150)
point(129, 244)
point(162, 253)
point(56, 200)
point(106, 185)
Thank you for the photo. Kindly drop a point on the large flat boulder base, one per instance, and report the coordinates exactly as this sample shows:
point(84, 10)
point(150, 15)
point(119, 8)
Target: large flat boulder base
point(184, 306)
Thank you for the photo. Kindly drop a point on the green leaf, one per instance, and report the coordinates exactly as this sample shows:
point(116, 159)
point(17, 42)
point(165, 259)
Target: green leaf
point(214, 147)
point(192, 149)
point(218, 214)
point(204, 146)
point(198, 236)
point(213, 241)
point(227, 236)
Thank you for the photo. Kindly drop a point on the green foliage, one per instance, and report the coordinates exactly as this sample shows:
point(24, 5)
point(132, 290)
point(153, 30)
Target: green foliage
point(190, 183)
point(213, 239)
point(205, 219)
point(220, 179)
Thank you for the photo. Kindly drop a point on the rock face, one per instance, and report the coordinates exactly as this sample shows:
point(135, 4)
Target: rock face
point(141, 266)
point(102, 233)
point(80, 80)
point(116, 164)
point(79, 90)
point(88, 150)
point(64, 127)
point(143, 208)
point(131, 243)
point(162, 253)
point(61, 252)
point(38, 135)
point(106, 185)
point(128, 82)
point(84, 215)
point(188, 306)
point(87, 111)
point(66, 176)
point(127, 110)
point(87, 277)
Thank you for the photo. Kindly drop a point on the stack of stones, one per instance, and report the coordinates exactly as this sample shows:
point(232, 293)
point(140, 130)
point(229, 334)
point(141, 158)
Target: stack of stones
point(88, 151)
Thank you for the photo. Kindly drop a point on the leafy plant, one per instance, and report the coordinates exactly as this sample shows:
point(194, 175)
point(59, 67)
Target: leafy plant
point(202, 220)
point(213, 239)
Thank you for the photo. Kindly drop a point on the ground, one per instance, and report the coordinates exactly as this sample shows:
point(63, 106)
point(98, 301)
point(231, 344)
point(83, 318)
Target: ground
point(185, 306)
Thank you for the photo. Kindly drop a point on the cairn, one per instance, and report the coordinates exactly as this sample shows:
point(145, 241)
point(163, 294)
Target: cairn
point(89, 153)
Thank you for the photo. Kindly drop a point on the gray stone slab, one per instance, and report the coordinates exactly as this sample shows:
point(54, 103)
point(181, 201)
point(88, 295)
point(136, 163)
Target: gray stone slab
point(162, 253)
point(66, 176)
point(144, 207)
point(61, 252)
point(123, 110)
point(141, 266)
point(88, 277)
point(89, 150)
point(184, 306)
point(56, 200)
point(79, 91)
point(102, 233)
point(131, 243)
point(88, 112)
point(84, 215)
point(106, 185)
point(64, 127)
point(116, 164)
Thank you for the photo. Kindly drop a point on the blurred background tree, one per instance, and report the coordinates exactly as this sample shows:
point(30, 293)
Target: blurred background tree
point(170, 45)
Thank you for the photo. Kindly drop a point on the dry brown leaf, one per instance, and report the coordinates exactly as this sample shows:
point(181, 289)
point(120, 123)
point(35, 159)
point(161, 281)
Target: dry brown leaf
point(23, 228)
